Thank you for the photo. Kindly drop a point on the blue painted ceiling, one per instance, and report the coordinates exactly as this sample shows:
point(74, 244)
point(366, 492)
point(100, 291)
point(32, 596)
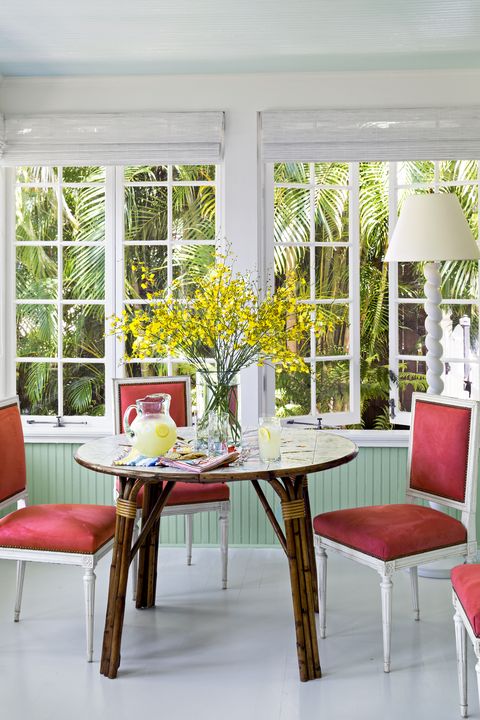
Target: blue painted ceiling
point(116, 37)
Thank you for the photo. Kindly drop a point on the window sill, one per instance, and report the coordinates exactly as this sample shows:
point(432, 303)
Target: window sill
point(67, 435)
point(376, 438)
point(71, 435)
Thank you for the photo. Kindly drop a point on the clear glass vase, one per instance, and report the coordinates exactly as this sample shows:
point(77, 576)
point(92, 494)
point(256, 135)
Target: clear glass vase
point(218, 393)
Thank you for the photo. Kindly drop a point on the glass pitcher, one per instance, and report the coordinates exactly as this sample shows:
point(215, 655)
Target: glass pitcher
point(153, 431)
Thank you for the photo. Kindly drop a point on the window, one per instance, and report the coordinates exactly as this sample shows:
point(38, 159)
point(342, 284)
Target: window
point(60, 254)
point(389, 151)
point(170, 224)
point(326, 218)
point(315, 236)
point(460, 292)
point(72, 229)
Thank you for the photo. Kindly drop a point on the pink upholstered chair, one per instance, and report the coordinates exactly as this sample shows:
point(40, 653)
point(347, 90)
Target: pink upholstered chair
point(466, 601)
point(61, 534)
point(186, 498)
point(441, 467)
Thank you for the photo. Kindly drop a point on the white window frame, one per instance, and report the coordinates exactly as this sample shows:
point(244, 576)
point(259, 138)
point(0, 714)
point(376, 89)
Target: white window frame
point(399, 416)
point(120, 243)
point(351, 416)
point(44, 430)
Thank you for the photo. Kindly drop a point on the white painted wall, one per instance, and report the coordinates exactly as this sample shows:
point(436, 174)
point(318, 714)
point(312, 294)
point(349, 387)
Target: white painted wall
point(251, 92)
point(241, 97)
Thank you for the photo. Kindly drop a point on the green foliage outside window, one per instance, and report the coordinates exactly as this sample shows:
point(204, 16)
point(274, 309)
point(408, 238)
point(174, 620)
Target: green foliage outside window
point(80, 212)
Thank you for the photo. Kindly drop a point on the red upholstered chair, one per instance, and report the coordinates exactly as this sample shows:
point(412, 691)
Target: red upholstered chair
point(441, 466)
point(61, 534)
point(466, 601)
point(186, 498)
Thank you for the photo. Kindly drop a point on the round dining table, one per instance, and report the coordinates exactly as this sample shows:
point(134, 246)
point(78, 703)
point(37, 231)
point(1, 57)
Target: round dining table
point(303, 451)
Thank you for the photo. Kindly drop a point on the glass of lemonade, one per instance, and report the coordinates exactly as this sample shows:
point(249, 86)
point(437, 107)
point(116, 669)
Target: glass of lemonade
point(269, 438)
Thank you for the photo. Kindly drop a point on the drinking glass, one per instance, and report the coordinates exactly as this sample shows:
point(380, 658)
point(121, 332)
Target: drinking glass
point(269, 438)
point(217, 433)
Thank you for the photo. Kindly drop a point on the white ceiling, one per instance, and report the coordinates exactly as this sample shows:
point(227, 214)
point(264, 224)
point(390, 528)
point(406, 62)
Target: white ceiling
point(116, 37)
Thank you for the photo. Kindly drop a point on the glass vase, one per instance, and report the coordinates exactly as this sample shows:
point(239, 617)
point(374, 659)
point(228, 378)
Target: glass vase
point(218, 393)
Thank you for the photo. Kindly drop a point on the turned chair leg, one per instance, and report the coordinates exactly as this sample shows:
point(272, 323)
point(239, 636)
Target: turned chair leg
point(89, 588)
point(19, 591)
point(460, 641)
point(386, 588)
point(415, 602)
point(477, 670)
point(189, 537)
point(322, 590)
point(223, 518)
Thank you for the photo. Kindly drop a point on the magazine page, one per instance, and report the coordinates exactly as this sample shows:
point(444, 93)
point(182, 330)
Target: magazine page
point(199, 464)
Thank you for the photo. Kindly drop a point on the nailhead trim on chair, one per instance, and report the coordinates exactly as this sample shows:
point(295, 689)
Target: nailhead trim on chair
point(126, 508)
point(293, 509)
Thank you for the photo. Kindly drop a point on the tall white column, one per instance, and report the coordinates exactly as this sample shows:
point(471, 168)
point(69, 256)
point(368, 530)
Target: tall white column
point(242, 226)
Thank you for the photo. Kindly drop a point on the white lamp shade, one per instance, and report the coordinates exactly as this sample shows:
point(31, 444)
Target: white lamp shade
point(432, 227)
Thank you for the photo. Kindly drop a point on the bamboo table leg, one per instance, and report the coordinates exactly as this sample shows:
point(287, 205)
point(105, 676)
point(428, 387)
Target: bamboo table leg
point(311, 546)
point(301, 574)
point(121, 555)
point(123, 552)
point(148, 552)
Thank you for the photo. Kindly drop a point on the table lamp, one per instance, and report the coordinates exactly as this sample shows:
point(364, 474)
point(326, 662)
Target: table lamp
point(432, 228)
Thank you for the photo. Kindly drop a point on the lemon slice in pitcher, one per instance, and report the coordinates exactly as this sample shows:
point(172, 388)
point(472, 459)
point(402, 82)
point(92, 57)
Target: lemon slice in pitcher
point(162, 430)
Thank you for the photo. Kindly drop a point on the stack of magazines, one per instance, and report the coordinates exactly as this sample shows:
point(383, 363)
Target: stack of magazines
point(200, 464)
point(196, 462)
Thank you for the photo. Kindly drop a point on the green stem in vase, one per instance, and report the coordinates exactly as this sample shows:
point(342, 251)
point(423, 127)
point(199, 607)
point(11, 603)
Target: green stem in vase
point(222, 397)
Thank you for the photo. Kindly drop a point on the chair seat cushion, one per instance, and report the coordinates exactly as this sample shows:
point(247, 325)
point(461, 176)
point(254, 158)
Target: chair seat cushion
point(389, 532)
point(192, 493)
point(61, 528)
point(466, 583)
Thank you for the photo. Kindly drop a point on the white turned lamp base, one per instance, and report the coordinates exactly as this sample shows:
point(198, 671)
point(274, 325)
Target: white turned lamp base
point(434, 328)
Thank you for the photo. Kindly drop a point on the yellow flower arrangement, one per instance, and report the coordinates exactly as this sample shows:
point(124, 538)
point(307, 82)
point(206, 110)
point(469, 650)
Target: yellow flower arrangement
point(224, 325)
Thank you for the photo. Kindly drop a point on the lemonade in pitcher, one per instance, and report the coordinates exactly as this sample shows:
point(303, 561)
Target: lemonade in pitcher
point(153, 431)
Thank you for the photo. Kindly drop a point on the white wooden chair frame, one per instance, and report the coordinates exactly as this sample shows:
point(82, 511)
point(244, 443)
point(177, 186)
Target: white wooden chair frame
point(87, 561)
point(387, 568)
point(462, 627)
point(220, 507)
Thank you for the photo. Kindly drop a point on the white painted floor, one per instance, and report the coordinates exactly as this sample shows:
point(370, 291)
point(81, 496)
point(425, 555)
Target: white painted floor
point(208, 654)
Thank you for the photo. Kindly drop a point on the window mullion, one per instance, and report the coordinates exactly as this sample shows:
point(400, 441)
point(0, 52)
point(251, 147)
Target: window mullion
point(60, 293)
point(313, 340)
point(119, 270)
point(354, 289)
point(112, 278)
point(8, 252)
point(169, 242)
point(393, 307)
point(267, 404)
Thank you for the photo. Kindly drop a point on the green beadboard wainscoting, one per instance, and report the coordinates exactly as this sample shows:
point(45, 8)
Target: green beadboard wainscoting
point(377, 475)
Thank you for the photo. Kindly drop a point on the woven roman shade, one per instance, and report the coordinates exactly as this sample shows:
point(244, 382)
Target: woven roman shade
point(369, 134)
point(112, 138)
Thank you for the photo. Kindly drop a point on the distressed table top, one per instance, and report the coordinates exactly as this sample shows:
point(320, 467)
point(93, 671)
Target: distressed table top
point(303, 451)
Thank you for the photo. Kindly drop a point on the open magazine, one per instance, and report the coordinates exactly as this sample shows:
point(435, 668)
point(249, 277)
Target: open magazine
point(201, 464)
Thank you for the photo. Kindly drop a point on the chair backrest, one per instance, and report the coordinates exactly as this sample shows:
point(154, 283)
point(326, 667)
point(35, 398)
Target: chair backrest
point(128, 390)
point(443, 452)
point(13, 473)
